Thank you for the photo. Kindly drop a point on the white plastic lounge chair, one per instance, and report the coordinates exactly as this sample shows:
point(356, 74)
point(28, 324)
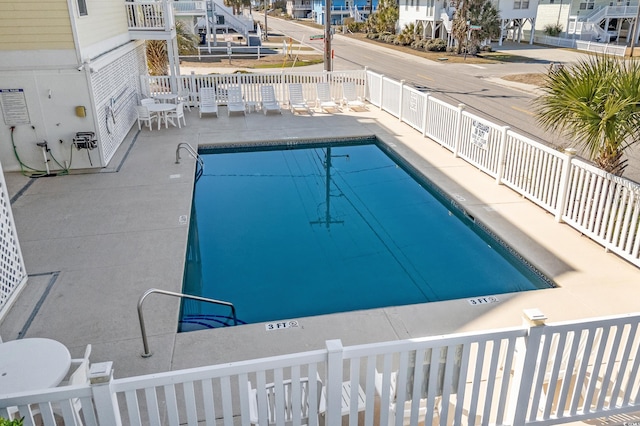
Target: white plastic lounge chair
point(423, 391)
point(178, 114)
point(324, 101)
point(297, 102)
point(145, 117)
point(310, 393)
point(208, 102)
point(268, 102)
point(564, 370)
point(235, 102)
point(349, 97)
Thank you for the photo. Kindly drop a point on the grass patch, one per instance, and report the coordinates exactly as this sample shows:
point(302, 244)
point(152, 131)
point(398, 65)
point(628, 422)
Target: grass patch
point(289, 64)
point(537, 79)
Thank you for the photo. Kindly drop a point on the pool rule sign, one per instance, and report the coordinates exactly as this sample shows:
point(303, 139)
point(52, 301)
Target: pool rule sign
point(479, 134)
point(14, 107)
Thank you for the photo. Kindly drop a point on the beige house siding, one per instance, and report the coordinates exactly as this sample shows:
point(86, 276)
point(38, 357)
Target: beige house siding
point(106, 19)
point(35, 25)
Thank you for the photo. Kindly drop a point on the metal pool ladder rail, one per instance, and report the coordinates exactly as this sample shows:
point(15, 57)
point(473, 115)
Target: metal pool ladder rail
point(191, 151)
point(145, 343)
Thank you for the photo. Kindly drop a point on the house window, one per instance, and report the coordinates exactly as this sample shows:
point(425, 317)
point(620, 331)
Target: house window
point(516, 5)
point(525, 4)
point(82, 7)
point(586, 5)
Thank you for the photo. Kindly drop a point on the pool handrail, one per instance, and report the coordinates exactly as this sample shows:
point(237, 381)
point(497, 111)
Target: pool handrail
point(147, 353)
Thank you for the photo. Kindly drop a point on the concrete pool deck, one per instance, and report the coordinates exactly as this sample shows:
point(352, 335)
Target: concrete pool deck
point(94, 242)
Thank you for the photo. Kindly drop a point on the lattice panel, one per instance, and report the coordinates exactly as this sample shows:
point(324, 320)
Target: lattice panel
point(116, 88)
point(12, 269)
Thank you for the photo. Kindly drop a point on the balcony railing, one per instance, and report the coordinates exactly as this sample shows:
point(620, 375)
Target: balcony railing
point(150, 15)
point(538, 374)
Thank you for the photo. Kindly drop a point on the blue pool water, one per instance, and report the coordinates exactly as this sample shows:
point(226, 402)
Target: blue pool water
point(314, 229)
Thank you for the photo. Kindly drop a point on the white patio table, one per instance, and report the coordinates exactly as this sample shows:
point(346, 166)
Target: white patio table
point(32, 364)
point(162, 110)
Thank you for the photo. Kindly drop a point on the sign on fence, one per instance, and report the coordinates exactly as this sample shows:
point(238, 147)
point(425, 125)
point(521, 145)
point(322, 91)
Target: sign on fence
point(480, 134)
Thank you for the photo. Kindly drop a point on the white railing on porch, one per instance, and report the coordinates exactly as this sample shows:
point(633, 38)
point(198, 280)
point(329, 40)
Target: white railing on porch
point(537, 374)
point(150, 15)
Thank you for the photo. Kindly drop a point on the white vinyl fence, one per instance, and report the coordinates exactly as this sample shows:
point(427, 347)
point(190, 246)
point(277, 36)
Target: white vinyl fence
point(251, 83)
point(536, 374)
point(597, 204)
point(13, 273)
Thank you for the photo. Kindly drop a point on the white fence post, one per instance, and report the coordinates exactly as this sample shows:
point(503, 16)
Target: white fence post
point(501, 155)
point(456, 140)
point(381, 90)
point(563, 192)
point(427, 99)
point(525, 366)
point(334, 382)
point(400, 100)
point(366, 82)
point(104, 399)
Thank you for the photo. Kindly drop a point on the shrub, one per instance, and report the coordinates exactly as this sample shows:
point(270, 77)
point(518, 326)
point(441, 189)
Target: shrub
point(435, 45)
point(356, 27)
point(553, 30)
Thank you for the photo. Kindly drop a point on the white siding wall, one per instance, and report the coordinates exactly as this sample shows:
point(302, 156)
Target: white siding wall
point(552, 14)
point(418, 10)
point(508, 12)
point(116, 87)
point(52, 118)
point(106, 19)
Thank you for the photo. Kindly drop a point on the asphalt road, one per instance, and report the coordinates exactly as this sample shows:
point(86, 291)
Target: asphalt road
point(479, 87)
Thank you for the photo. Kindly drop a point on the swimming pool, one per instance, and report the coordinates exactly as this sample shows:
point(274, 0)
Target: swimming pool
point(289, 231)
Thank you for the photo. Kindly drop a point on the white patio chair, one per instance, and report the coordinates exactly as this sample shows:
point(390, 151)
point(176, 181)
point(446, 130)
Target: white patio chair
point(297, 102)
point(184, 95)
point(548, 398)
point(235, 101)
point(324, 100)
point(307, 390)
point(208, 101)
point(349, 97)
point(178, 114)
point(147, 101)
point(268, 102)
point(144, 116)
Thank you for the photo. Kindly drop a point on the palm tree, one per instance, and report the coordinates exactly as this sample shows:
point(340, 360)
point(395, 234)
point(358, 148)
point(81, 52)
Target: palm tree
point(480, 13)
point(595, 102)
point(385, 18)
point(157, 56)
